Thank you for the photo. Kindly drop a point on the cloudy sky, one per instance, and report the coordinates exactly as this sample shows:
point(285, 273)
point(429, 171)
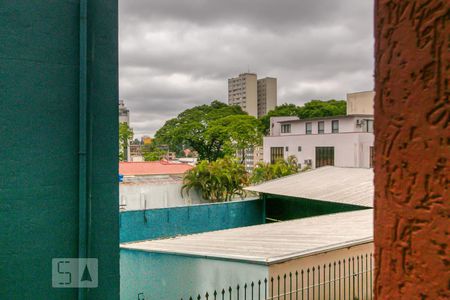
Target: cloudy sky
point(176, 54)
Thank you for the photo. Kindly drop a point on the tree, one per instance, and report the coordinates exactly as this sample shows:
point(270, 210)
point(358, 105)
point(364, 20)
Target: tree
point(152, 152)
point(279, 111)
point(125, 135)
point(239, 132)
point(266, 171)
point(218, 180)
point(211, 130)
point(319, 108)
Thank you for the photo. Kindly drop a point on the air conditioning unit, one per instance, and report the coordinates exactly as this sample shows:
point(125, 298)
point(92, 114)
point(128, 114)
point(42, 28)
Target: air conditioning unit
point(360, 122)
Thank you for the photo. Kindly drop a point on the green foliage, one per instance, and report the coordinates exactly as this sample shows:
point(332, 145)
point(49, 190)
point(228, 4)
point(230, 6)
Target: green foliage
point(214, 131)
point(279, 111)
point(318, 108)
point(125, 135)
point(266, 171)
point(218, 180)
point(152, 152)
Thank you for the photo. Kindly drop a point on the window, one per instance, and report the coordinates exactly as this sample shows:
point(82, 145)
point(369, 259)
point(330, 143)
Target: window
point(321, 127)
point(286, 128)
point(299, 148)
point(368, 125)
point(276, 153)
point(308, 127)
point(324, 156)
point(287, 148)
point(335, 126)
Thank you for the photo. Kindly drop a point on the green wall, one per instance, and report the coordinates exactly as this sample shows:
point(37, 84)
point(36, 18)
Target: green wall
point(39, 126)
point(149, 275)
point(288, 208)
point(166, 222)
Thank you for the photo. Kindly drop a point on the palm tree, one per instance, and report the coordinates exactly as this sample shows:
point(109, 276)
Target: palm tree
point(218, 181)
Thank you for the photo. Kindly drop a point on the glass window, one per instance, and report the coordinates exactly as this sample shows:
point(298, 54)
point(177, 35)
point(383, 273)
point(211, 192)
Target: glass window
point(299, 148)
point(324, 156)
point(335, 126)
point(286, 128)
point(368, 125)
point(308, 127)
point(321, 127)
point(276, 153)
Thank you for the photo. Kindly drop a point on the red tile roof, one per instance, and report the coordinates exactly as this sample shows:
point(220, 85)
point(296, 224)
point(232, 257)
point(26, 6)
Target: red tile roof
point(152, 168)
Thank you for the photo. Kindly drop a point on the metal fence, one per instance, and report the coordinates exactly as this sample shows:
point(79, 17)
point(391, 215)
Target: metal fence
point(346, 279)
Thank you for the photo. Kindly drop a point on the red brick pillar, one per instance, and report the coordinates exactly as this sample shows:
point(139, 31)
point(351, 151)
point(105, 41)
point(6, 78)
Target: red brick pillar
point(412, 149)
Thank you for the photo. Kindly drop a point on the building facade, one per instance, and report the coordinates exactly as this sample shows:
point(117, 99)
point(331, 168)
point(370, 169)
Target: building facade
point(242, 91)
point(256, 97)
point(267, 95)
point(343, 141)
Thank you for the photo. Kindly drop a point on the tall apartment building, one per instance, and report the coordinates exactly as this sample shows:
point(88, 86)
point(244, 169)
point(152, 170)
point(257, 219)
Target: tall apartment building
point(255, 96)
point(267, 95)
point(242, 91)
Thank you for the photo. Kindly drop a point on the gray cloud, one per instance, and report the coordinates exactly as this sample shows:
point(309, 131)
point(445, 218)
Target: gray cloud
point(177, 54)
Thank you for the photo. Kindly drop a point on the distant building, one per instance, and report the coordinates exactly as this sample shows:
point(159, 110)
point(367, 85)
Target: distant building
point(257, 97)
point(146, 140)
point(124, 113)
point(267, 95)
point(242, 91)
point(343, 141)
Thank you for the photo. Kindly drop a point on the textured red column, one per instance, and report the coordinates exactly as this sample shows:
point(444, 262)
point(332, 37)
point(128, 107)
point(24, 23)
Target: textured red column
point(412, 113)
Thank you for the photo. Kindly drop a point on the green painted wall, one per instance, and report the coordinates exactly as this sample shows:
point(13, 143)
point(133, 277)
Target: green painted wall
point(289, 208)
point(146, 275)
point(39, 84)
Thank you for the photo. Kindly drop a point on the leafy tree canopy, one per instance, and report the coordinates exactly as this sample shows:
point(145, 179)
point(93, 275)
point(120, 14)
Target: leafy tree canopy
point(319, 108)
point(213, 130)
point(218, 180)
point(125, 135)
point(266, 171)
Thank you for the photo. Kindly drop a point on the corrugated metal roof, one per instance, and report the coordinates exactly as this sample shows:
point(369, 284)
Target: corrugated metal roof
point(271, 243)
point(334, 184)
point(152, 168)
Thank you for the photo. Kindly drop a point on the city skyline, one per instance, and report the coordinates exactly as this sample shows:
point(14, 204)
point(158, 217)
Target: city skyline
point(173, 57)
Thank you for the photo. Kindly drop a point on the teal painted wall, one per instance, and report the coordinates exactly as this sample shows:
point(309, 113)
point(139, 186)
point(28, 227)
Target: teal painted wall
point(166, 276)
point(39, 84)
point(166, 222)
point(289, 208)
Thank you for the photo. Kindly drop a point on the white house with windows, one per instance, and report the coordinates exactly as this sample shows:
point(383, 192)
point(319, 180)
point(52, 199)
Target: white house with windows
point(342, 141)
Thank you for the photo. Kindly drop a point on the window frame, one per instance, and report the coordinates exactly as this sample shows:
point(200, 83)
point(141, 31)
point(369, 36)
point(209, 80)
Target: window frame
point(333, 128)
point(285, 128)
point(306, 128)
point(319, 130)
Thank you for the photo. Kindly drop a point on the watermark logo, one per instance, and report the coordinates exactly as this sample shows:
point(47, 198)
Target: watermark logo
point(74, 272)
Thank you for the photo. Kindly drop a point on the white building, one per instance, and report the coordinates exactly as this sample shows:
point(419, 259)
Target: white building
point(342, 141)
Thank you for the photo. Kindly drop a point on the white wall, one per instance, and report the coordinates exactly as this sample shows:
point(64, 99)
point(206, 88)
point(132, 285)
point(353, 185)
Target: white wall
point(350, 149)
point(157, 195)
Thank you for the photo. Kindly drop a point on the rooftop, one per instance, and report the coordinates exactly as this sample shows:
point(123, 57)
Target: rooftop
point(152, 168)
point(340, 185)
point(271, 243)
